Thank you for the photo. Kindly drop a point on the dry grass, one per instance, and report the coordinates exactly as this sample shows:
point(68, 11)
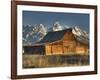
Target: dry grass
point(39, 61)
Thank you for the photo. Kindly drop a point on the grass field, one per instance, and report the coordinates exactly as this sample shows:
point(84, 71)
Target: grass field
point(41, 61)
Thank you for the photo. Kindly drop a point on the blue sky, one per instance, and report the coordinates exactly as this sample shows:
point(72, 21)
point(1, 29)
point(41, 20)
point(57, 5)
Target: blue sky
point(49, 18)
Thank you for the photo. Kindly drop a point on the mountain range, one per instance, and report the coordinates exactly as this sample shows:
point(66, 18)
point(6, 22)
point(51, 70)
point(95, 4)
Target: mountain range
point(33, 34)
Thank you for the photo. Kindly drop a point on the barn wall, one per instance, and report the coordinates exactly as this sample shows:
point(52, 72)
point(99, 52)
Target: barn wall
point(68, 45)
point(54, 48)
point(81, 49)
point(57, 49)
point(72, 46)
point(69, 36)
point(48, 49)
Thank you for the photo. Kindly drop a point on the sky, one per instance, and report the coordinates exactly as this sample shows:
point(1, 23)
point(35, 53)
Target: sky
point(49, 18)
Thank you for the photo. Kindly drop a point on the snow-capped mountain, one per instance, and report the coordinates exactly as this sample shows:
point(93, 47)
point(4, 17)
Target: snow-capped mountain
point(57, 27)
point(41, 29)
point(77, 31)
point(32, 34)
point(80, 34)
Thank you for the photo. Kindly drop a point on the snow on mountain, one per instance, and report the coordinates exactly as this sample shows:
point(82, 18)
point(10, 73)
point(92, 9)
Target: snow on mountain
point(32, 34)
point(42, 29)
point(57, 26)
point(77, 31)
point(80, 34)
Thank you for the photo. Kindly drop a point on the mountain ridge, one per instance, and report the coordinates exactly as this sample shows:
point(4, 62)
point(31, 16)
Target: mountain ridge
point(33, 34)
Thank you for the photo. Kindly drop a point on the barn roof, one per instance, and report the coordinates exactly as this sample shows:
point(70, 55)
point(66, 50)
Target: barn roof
point(54, 36)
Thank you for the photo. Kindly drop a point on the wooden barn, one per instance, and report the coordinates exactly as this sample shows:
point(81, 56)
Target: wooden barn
point(59, 42)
